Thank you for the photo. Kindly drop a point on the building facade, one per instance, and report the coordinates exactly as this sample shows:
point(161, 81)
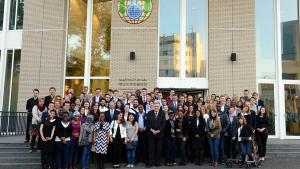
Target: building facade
point(180, 44)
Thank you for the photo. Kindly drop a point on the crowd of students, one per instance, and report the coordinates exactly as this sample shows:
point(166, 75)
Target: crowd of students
point(143, 127)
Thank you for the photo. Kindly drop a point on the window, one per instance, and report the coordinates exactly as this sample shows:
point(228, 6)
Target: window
point(176, 30)
point(169, 37)
point(265, 39)
point(1, 14)
point(290, 44)
point(88, 62)
point(11, 84)
point(16, 14)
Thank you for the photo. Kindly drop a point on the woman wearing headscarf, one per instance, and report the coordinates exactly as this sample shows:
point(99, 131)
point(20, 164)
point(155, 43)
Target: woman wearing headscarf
point(85, 140)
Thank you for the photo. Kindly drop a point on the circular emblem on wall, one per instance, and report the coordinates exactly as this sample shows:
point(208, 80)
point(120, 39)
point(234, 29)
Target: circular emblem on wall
point(134, 11)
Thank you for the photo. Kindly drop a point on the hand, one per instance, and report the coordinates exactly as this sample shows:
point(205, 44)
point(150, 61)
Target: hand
point(197, 135)
point(111, 139)
point(178, 130)
point(48, 138)
point(211, 135)
point(233, 138)
point(64, 141)
point(43, 138)
point(125, 141)
point(184, 139)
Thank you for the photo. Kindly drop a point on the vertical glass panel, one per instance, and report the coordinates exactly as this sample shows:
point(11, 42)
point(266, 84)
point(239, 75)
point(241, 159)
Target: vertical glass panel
point(9, 58)
point(100, 63)
point(196, 16)
point(169, 45)
point(76, 84)
point(102, 84)
point(76, 38)
point(266, 94)
point(15, 81)
point(292, 109)
point(1, 14)
point(290, 39)
point(20, 14)
point(12, 16)
point(265, 39)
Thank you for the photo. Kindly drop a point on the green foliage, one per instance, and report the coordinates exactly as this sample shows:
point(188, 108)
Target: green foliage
point(122, 7)
point(147, 6)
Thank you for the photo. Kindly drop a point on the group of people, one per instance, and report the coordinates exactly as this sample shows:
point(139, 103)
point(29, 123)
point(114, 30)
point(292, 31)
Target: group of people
point(142, 127)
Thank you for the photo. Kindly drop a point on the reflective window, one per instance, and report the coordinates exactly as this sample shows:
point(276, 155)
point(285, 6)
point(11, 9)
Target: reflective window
point(196, 32)
point(169, 45)
point(292, 109)
point(97, 83)
point(100, 54)
point(16, 14)
point(265, 39)
point(290, 39)
point(11, 84)
point(76, 84)
point(1, 14)
point(76, 38)
point(266, 94)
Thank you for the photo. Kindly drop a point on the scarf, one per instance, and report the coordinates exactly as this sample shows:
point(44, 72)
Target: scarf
point(41, 108)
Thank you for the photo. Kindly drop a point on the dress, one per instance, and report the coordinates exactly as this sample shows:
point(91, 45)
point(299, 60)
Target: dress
point(101, 137)
point(47, 129)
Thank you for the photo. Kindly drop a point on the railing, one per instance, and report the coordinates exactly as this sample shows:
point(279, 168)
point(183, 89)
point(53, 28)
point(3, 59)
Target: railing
point(13, 123)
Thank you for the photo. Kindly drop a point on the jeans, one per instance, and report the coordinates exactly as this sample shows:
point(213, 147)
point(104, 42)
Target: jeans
point(73, 152)
point(246, 149)
point(221, 148)
point(181, 146)
point(62, 154)
point(214, 152)
point(85, 155)
point(170, 153)
point(130, 156)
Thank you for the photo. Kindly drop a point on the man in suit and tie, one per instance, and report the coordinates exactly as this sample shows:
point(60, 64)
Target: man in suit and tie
point(232, 134)
point(50, 97)
point(112, 113)
point(174, 104)
point(97, 98)
point(259, 102)
point(155, 123)
point(143, 97)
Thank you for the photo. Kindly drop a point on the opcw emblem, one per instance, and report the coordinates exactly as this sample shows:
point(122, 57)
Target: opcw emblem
point(134, 11)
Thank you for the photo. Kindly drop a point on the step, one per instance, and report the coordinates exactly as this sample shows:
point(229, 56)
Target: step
point(14, 145)
point(14, 149)
point(19, 154)
point(17, 165)
point(23, 159)
point(296, 146)
point(283, 154)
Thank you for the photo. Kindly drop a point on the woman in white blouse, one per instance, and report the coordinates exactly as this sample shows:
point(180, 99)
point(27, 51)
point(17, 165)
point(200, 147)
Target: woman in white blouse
point(118, 137)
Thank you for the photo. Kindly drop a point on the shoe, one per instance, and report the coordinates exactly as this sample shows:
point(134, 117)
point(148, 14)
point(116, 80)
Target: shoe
point(26, 141)
point(30, 151)
point(211, 163)
point(128, 166)
point(38, 151)
point(174, 163)
point(131, 165)
point(216, 164)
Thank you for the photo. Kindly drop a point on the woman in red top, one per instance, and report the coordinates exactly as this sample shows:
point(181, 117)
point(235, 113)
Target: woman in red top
point(74, 139)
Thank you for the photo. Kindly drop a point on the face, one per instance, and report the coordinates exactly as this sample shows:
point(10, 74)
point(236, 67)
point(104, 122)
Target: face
point(112, 106)
point(172, 92)
point(165, 108)
point(95, 107)
point(180, 114)
point(52, 92)
point(107, 97)
point(41, 102)
point(52, 114)
point(171, 116)
point(144, 92)
point(222, 99)
point(198, 113)
point(126, 108)
point(119, 104)
point(76, 118)
point(120, 116)
point(86, 105)
point(65, 117)
point(159, 95)
point(82, 110)
point(98, 92)
point(156, 107)
point(175, 98)
point(262, 110)
point(67, 107)
point(51, 106)
point(190, 99)
point(213, 113)
point(163, 102)
point(241, 121)
point(130, 117)
point(141, 108)
point(246, 93)
point(81, 96)
point(102, 103)
point(35, 94)
point(102, 117)
point(77, 101)
point(57, 105)
point(135, 103)
point(231, 110)
point(202, 110)
point(116, 94)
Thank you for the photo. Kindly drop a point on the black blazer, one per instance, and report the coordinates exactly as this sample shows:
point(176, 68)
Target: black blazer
point(168, 128)
point(94, 100)
point(48, 100)
point(233, 126)
point(200, 129)
point(155, 123)
point(61, 131)
point(108, 118)
point(173, 107)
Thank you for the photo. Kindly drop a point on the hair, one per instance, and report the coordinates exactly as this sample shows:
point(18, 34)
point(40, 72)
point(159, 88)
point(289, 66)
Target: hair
point(265, 114)
point(134, 120)
point(244, 120)
point(67, 103)
point(36, 90)
point(246, 90)
point(98, 88)
point(52, 88)
point(41, 98)
point(47, 122)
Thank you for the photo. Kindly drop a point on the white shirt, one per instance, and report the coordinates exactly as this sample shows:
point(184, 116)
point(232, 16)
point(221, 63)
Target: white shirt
point(114, 125)
point(103, 109)
point(141, 121)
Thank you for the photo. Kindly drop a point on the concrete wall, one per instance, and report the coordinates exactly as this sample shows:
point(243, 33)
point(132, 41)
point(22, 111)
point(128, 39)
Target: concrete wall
point(231, 29)
point(142, 39)
point(43, 48)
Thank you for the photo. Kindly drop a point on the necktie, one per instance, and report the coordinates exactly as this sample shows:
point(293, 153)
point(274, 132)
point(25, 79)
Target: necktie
point(156, 114)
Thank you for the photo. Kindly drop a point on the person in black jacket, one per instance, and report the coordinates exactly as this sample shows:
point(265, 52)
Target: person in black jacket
point(155, 123)
point(262, 124)
point(29, 105)
point(244, 138)
point(198, 132)
point(170, 137)
point(181, 137)
point(63, 141)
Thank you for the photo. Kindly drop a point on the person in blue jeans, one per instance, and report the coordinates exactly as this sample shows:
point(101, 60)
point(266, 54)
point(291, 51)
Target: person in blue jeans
point(63, 142)
point(213, 133)
point(85, 140)
point(244, 138)
point(132, 137)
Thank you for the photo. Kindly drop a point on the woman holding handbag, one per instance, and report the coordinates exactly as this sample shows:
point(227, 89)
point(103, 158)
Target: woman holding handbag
point(132, 130)
point(101, 140)
point(118, 137)
point(85, 140)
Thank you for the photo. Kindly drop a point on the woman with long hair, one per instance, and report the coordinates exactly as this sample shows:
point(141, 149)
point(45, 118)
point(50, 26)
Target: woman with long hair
point(47, 130)
point(198, 132)
point(37, 112)
point(244, 138)
point(82, 114)
point(118, 137)
point(126, 112)
point(119, 106)
point(262, 124)
point(95, 111)
point(132, 137)
point(213, 133)
point(189, 117)
point(85, 140)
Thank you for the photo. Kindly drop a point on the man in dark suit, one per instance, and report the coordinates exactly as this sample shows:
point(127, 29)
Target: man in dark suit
point(155, 123)
point(232, 134)
point(143, 97)
point(97, 98)
point(112, 113)
point(46, 114)
point(174, 104)
point(29, 105)
point(259, 102)
point(50, 97)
